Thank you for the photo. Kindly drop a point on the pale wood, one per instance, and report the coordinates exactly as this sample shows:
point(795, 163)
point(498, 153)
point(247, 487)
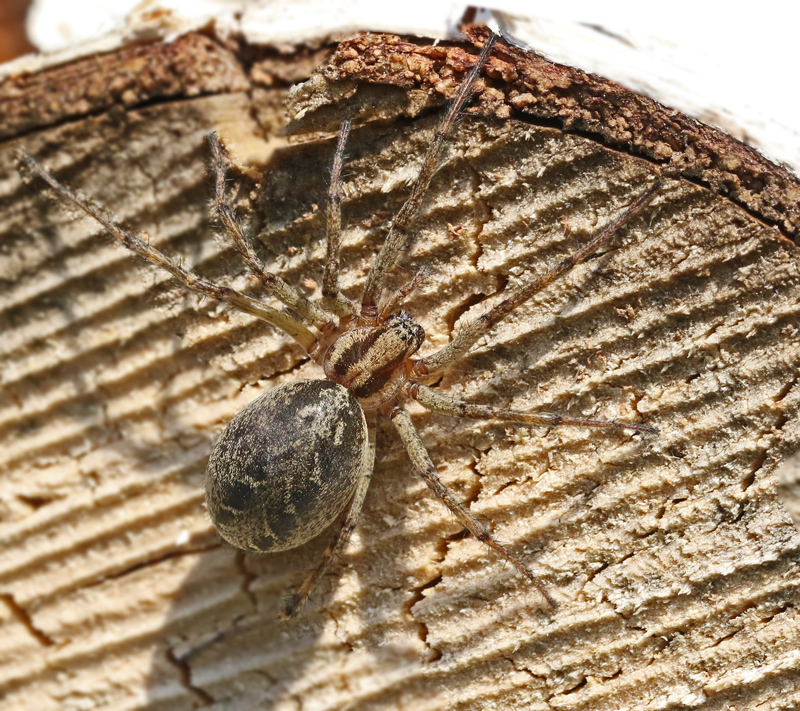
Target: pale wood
point(675, 565)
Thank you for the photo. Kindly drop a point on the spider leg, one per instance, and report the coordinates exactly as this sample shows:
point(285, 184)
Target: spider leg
point(434, 401)
point(399, 238)
point(421, 461)
point(393, 302)
point(136, 244)
point(332, 297)
point(472, 332)
point(341, 537)
point(277, 287)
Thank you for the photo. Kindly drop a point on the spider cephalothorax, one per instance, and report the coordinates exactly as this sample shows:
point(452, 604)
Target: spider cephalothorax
point(294, 459)
point(370, 360)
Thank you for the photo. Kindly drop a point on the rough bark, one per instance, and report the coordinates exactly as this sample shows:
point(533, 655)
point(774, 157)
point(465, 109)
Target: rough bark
point(674, 563)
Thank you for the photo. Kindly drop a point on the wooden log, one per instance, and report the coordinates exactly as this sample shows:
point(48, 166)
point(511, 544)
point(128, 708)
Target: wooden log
point(674, 562)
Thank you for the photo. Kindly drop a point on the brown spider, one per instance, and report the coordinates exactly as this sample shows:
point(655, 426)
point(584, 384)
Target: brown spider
point(294, 459)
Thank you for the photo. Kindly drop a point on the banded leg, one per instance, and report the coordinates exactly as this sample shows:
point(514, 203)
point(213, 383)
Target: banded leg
point(434, 401)
point(275, 286)
point(421, 461)
point(295, 603)
point(472, 332)
point(136, 244)
point(331, 295)
point(398, 238)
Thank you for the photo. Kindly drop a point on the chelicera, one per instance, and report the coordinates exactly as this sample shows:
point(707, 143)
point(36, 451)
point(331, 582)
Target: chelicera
point(302, 454)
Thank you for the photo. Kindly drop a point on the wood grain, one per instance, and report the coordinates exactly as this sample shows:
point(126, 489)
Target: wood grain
point(674, 563)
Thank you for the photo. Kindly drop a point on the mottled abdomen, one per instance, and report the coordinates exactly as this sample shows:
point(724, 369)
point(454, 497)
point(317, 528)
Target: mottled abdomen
point(286, 465)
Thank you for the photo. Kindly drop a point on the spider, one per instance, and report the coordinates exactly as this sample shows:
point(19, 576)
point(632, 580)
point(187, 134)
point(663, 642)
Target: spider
point(302, 454)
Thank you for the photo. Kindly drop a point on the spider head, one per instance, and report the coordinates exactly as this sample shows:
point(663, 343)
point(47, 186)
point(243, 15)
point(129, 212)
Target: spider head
point(406, 331)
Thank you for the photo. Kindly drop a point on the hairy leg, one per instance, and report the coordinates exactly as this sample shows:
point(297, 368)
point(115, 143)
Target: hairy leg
point(399, 238)
point(277, 287)
point(421, 461)
point(332, 297)
point(434, 401)
point(140, 245)
point(474, 331)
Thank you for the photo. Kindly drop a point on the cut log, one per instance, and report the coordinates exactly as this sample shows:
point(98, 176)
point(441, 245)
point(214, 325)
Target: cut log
point(674, 563)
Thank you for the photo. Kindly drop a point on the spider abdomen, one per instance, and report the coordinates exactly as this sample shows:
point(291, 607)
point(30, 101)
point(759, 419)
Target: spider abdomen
point(286, 465)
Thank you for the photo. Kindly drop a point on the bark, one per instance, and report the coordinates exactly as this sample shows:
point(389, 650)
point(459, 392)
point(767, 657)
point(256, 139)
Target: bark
point(674, 563)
